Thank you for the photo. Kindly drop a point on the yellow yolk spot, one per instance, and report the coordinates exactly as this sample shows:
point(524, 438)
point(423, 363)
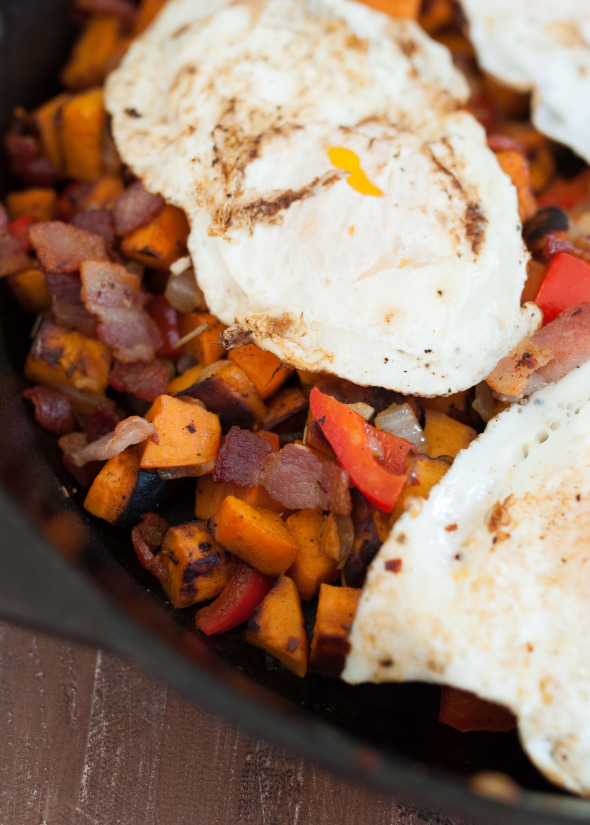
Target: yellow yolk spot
point(351, 230)
point(405, 262)
point(349, 161)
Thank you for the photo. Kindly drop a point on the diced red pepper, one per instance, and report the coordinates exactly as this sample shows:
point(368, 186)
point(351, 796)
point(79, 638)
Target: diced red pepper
point(236, 603)
point(466, 712)
point(166, 318)
point(19, 229)
point(566, 283)
point(375, 460)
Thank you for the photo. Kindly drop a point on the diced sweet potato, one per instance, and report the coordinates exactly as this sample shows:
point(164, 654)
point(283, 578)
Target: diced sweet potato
point(446, 436)
point(434, 14)
point(148, 9)
point(187, 435)
point(371, 527)
point(515, 165)
point(210, 495)
point(197, 567)
point(263, 368)
point(425, 474)
point(29, 287)
point(66, 357)
point(122, 492)
point(83, 119)
point(277, 626)
point(206, 347)
point(396, 8)
point(47, 119)
point(226, 389)
point(466, 712)
point(95, 53)
point(312, 565)
point(256, 535)
point(160, 242)
point(185, 380)
point(329, 644)
point(287, 403)
point(38, 202)
point(101, 194)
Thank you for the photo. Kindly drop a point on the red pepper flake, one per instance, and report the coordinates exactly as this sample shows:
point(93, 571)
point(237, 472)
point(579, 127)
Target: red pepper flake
point(394, 565)
point(450, 528)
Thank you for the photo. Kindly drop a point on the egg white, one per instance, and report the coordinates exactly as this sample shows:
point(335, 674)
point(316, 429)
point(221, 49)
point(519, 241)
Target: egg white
point(543, 47)
point(492, 590)
point(229, 110)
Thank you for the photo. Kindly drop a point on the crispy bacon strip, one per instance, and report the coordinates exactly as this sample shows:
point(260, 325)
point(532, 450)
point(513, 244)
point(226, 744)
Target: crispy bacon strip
point(135, 207)
point(115, 296)
point(549, 354)
point(147, 538)
point(53, 410)
point(299, 479)
point(132, 430)
point(146, 381)
point(62, 247)
point(241, 458)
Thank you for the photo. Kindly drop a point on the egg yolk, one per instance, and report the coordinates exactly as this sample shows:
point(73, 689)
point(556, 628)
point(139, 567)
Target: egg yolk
point(349, 161)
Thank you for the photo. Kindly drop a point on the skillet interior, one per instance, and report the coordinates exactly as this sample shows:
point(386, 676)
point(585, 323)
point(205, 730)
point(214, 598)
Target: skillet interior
point(71, 574)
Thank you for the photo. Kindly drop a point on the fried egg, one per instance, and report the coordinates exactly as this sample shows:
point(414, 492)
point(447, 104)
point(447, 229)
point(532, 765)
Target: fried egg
point(345, 210)
point(494, 574)
point(543, 47)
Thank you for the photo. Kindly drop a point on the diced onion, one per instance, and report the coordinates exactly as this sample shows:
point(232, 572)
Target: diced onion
point(400, 420)
point(363, 409)
point(183, 293)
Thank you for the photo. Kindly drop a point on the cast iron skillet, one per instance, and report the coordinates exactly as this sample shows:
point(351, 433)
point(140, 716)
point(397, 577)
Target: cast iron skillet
point(63, 571)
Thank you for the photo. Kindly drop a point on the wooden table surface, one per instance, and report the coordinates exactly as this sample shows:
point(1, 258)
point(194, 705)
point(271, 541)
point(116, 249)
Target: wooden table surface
point(89, 739)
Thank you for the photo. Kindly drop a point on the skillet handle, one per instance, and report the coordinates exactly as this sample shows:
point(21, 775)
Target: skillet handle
point(41, 589)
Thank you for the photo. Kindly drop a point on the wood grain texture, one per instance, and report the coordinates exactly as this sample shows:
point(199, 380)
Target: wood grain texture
point(88, 739)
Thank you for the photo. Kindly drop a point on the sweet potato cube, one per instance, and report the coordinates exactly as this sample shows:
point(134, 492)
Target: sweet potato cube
point(290, 401)
point(197, 568)
point(515, 165)
point(160, 242)
point(329, 644)
point(444, 435)
point(102, 194)
point(256, 535)
point(457, 402)
point(148, 9)
point(277, 626)
point(122, 492)
point(94, 54)
point(47, 119)
point(29, 287)
point(312, 565)
point(210, 495)
point(226, 389)
point(83, 119)
point(206, 347)
point(426, 473)
point(184, 381)
point(396, 8)
point(263, 368)
point(62, 356)
point(38, 202)
point(186, 435)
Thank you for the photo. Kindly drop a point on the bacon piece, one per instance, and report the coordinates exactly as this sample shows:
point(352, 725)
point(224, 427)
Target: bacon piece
point(53, 410)
point(132, 430)
point(297, 478)
point(146, 381)
point(115, 296)
point(564, 345)
point(102, 420)
point(135, 207)
point(511, 374)
point(25, 159)
point(97, 222)
point(62, 247)
point(66, 302)
point(147, 538)
point(241, 458)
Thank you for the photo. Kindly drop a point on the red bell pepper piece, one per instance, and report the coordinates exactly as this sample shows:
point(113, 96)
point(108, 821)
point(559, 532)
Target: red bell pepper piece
point(466, 712)
point(19, 229)
point(236, 603)
point(566, 283)
point(166, 318)
point(376, 461)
